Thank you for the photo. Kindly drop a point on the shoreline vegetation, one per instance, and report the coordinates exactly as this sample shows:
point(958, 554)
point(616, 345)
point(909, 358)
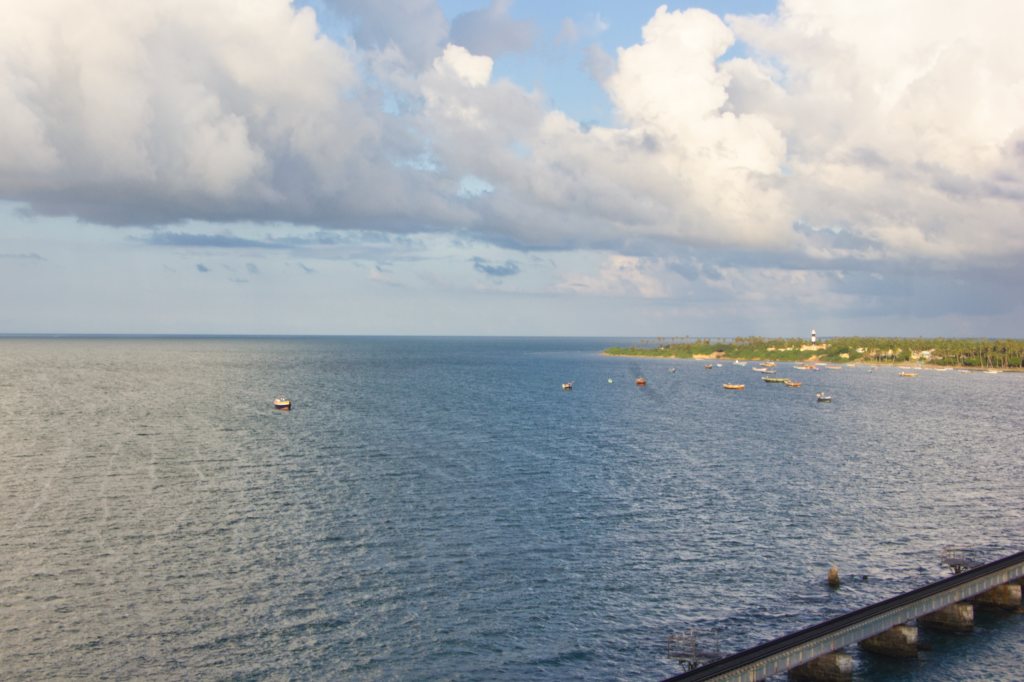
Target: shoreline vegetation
point(981, 354)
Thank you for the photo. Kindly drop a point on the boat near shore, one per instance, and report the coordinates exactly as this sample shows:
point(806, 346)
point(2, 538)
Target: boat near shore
point(282, 403)
point(734, 387)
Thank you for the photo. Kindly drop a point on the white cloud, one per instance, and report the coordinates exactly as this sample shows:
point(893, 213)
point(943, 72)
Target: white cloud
point(901, 119)
point(125, 112)
point(864, 131)
point(457, 61)
point(620, 276)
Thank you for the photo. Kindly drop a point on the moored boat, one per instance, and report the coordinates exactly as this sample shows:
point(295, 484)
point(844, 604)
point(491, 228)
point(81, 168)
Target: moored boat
point(791, 383)
point(282, 403)
point(640, 381)
point(734, 387)
point(567, 386)
point(822, 398)
point(774, 380)
point(908, 374)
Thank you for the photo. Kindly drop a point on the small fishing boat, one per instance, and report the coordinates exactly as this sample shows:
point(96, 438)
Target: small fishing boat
point(774, 380)
point(672, 370)
point(734, 387)
point(908, 374)
point(791, 383)
point(567, 386)
point(708, 366)
point(822, 398)
point(741, 364)
point(640, 381)
point(282, 403)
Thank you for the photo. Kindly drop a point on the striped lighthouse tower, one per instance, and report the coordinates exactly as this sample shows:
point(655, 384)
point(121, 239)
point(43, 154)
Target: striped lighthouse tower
point(814, 336)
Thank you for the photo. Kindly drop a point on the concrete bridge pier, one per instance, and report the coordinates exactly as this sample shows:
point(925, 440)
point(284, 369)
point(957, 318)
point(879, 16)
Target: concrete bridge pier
point(834, 667)
point(899, 640)
point(1001, 596)
point(958, 617)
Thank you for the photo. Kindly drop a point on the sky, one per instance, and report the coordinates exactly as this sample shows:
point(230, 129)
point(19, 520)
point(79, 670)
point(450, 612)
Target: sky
point(512, 167)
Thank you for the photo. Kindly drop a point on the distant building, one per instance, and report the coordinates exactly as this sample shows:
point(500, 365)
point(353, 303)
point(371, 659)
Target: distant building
point(814, 336)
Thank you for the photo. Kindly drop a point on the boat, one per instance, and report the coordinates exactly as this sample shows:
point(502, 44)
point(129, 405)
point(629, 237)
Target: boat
point(822, 398)
point(741, 364)
point(734, 387)
point(764, 370)
point(774, 380)
point(791, 383)
point(708, 366)
point(567, 386)
point(640, 381)
point(282, 403)
point(672, 370)
point(908, 374)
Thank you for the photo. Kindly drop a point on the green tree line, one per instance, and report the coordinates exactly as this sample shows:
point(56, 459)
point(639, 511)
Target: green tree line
point(978, 353)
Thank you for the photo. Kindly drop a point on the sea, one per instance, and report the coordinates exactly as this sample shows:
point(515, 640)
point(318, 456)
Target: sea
point(441, 509)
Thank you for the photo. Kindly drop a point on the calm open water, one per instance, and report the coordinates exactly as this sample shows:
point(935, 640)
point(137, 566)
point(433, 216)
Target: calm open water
point(438, 509)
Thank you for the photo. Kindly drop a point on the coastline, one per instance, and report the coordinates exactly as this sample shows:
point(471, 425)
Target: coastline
point(814, 359)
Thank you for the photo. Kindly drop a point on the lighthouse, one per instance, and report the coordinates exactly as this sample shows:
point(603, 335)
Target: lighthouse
point(814, 336)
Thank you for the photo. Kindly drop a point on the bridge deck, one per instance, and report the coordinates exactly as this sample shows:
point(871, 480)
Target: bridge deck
point(789, 651)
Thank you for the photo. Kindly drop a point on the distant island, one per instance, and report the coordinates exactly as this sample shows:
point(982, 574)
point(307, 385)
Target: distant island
point(961, 353)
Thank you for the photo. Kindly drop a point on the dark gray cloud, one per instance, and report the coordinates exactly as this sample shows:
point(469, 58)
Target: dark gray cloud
point(416, 27)
point(506, 269)
point(202, 268)
point(491, 31)
point(22, 256)
point(213, 241)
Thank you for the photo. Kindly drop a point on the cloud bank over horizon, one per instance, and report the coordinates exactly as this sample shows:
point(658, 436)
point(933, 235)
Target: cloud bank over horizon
point(822, 145)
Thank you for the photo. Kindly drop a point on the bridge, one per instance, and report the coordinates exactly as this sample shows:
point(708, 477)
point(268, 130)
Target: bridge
point(799, 648)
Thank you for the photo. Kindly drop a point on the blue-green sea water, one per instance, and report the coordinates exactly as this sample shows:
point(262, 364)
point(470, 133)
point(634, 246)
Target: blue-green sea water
point(440, 509)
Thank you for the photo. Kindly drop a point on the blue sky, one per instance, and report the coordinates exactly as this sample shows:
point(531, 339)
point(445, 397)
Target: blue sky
point(512, 168)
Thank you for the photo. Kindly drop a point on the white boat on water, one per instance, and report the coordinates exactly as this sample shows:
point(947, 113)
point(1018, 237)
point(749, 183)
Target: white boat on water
point(822, 398)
